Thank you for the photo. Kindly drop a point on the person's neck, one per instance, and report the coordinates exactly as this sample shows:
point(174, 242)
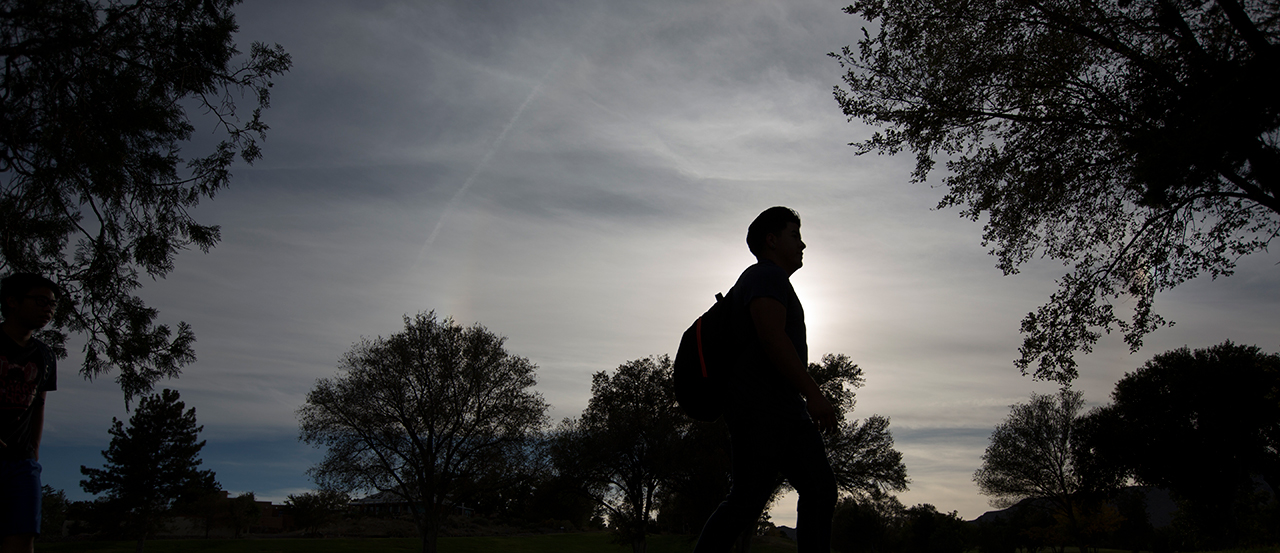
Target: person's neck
point(772, 260)
point(18, 333)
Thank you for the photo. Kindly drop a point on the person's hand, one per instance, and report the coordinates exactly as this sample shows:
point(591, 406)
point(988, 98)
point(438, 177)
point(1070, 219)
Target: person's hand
point(822, 413)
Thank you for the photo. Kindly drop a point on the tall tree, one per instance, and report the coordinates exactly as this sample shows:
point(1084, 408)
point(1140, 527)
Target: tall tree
point(53, 510)
point(312, 510)
point(1031, 456)
point(634, 450)
point(242, 511)
point(150, 464)
point(625, 447)
point(424, 414)
point(96, 187)
point(1137, 141)
point(861, 451)
point(1201, 423)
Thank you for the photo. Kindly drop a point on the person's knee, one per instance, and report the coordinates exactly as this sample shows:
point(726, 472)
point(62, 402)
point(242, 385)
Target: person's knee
point(748, 499)
point(825, 495)
point(820, 491)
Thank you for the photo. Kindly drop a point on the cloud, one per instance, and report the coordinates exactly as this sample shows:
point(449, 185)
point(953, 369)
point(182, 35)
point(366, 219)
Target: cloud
point(595, 225)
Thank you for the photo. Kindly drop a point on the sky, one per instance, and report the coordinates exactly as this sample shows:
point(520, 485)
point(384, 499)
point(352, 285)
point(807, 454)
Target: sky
point(578, 177)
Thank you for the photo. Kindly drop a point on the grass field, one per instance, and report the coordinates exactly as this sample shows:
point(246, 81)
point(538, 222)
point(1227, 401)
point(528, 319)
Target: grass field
point(551, 543)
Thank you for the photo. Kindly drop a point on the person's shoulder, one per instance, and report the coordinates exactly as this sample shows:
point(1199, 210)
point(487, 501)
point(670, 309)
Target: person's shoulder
point(764, 270)
point(762, 279)
point(44, 350)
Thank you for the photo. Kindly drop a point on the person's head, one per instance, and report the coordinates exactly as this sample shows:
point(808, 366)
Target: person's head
point(19, 291)
point(776, 227)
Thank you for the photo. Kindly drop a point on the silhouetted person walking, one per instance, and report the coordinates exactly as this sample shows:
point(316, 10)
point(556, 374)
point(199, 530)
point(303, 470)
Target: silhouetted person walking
point(774, 408)
point(27, 370)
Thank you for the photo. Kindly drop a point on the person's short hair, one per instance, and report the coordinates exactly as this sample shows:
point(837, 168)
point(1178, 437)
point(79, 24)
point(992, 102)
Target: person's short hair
point(772, 221)
point(21, 284)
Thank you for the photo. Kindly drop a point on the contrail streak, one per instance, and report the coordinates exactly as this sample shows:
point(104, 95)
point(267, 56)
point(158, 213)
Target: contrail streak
point(484, 161)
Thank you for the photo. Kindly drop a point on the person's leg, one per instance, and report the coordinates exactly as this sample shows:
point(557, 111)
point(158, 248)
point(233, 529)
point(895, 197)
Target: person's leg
point(806, 467)
point(25, 543)
point(754, 477)
point(19, 505)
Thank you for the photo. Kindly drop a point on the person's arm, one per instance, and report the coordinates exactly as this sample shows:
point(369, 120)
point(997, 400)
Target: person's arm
point(37, 425)
point(770, 319)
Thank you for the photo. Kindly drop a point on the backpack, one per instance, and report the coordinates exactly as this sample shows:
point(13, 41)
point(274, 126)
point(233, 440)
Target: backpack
point(703, 362)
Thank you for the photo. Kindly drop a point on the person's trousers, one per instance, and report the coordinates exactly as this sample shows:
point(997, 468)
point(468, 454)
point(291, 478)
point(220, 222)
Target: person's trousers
point(763, 450)
point(19, 497)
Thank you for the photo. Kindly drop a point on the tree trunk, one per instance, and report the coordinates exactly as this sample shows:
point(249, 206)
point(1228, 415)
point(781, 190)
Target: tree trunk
point(141, 540)
point(639, 521)
point(430, 528)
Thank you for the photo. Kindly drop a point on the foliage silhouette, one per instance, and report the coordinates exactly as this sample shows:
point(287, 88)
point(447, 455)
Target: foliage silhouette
point(1031, 455)
point(428, 414)
point(53, 510)
point(312, 510)
point(1137, 141)
point(241, 512)
point(626, 447)
point(1201, 423)
point(150, 465)
point(635, 452)
point(96, 187)
point(861, 452)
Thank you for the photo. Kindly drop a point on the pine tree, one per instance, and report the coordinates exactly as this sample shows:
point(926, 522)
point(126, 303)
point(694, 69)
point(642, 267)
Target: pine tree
point(150, 464)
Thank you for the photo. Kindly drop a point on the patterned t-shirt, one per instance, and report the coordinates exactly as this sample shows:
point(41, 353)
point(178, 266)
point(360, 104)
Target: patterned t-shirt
point(24, 373)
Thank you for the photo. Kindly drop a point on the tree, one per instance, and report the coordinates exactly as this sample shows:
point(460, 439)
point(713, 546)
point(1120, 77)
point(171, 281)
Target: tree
point(1138, 141)
point(208, 505)
point(625, 447)
point(1201, 423)
point(424, 415)
point(701, 481)
point(1031, 456)
point(867, 523)
point(928, 531)
point(861, 452)
point(242, 511)
point(150, 464)
point(312, 510)
point(53, 510)
point(97, 187)
point(635, 452)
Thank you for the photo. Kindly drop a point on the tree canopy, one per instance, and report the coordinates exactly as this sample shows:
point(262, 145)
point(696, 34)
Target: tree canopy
point(150, 464)
point(627, 445)
point(861, 452)
point(1031, 455)
point(426, 415)
point(1201, 423)
point(635, 453)
point(96, 183)
point(312, 510)
point(1137, 141)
